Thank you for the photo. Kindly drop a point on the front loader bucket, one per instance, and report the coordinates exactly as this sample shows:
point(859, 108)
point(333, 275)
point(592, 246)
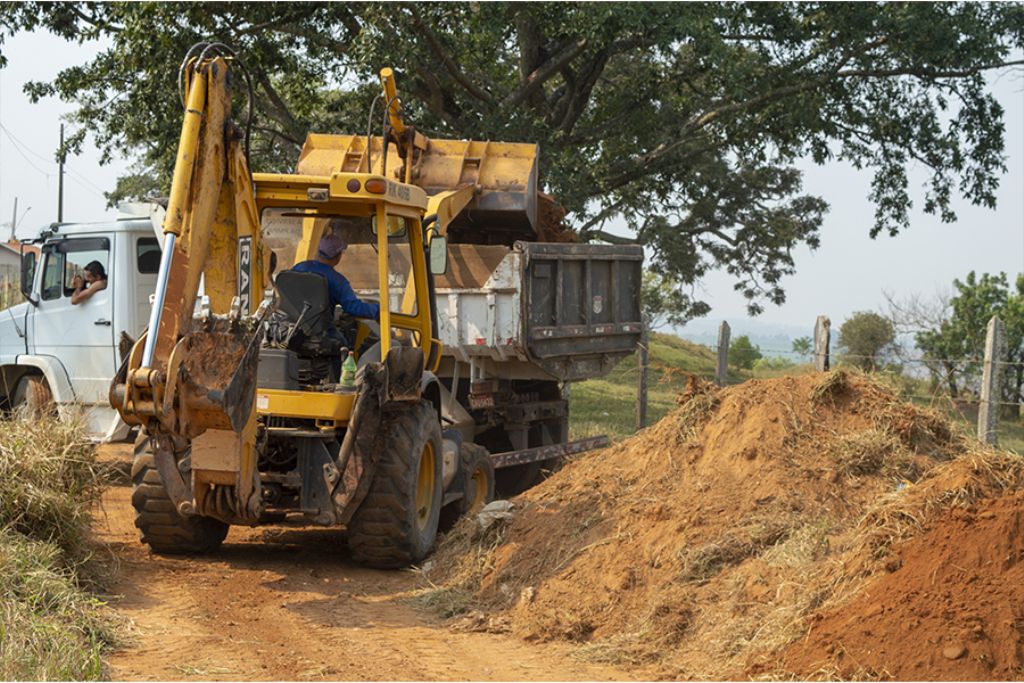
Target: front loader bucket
point(504, 173)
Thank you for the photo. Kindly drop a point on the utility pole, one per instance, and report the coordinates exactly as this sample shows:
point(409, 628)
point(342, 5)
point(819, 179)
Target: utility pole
point(14, 219)
point(60, 179)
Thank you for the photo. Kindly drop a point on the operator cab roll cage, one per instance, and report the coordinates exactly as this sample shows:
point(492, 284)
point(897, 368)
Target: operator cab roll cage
point(363, 195)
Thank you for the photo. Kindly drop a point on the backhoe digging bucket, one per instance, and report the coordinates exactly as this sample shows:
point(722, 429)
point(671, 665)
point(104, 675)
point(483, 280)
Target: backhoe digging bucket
point(211, 394)
point(218, 377)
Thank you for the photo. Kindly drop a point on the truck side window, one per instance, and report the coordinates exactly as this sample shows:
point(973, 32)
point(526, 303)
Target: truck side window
point(78, 254)
point(147, 255)
point(52, 271)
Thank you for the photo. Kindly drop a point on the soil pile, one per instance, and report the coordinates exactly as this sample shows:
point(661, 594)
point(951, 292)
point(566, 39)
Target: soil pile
point(708, 543)
point(953, 610)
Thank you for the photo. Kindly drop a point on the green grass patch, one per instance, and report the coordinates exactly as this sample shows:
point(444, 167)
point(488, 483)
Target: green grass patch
point(52, 626)
point(608, 405)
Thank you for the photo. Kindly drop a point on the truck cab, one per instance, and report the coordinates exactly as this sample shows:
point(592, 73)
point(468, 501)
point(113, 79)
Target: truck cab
point(57, 354)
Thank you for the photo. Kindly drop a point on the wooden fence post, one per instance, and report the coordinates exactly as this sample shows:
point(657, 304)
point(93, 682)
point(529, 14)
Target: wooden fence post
point(822, 327)
point(642, 355)
point(991, 380)
point(722, 370)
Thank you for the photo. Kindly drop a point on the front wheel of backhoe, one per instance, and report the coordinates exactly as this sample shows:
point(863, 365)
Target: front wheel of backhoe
point(163, 529)
point(396, 524)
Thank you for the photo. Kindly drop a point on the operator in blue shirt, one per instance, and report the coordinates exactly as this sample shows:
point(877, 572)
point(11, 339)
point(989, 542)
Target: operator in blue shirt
point(329, 254)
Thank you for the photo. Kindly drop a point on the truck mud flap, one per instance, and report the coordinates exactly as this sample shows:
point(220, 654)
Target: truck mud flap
point(528, 455)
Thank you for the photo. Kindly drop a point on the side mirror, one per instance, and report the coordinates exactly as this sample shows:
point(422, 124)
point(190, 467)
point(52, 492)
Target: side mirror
point(28, 271)
point(439, 255)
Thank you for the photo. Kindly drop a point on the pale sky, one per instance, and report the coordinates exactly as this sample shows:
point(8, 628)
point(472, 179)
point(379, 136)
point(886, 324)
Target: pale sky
point(848, 272)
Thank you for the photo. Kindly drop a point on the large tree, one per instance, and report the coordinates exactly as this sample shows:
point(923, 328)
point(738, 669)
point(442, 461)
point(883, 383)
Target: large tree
point(678, 122)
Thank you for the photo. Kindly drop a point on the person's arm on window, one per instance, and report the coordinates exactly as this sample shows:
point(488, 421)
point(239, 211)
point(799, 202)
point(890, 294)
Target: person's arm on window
point(82, 295)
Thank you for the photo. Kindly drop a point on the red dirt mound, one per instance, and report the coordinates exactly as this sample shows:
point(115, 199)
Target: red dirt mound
point(953, 610)
point(700, 547)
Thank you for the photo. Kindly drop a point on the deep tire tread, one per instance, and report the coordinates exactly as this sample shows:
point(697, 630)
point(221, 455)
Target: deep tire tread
point(162, 528)
point(383, 532)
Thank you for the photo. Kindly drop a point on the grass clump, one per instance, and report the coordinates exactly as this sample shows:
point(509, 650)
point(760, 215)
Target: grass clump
point(51, 625)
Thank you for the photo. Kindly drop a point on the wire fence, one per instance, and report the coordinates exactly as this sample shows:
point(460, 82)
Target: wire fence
point(952, 385)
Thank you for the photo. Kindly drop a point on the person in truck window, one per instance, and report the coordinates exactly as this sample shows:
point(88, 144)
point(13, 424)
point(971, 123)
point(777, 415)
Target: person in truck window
point(94, 281)
point(328, 256)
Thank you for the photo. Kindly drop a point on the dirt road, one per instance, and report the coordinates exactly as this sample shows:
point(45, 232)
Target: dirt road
point(284, 604)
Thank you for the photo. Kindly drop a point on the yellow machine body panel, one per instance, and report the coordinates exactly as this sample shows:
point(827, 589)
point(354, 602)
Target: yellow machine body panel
point(321, 406)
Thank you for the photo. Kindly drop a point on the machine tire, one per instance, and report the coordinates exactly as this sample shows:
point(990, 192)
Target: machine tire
point(477, 472)
point(396, 524)
point(162, 528)
point(32, 394)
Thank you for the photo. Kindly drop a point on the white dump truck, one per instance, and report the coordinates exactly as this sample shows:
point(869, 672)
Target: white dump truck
point(55, 353)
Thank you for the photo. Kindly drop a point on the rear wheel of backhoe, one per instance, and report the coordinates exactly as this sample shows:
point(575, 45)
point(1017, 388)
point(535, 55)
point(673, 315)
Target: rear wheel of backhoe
point(396, 524)
point(162, 528)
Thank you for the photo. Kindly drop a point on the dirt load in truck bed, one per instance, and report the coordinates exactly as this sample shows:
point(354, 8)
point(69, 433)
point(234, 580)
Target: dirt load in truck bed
point(811, 526)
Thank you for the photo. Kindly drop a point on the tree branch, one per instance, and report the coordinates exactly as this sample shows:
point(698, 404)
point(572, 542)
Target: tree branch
point(449, 64)
point(93, 21)
point(610, 238)
point(925, 72)
point(580, 95)
point(284, 114)
point(541, 74)
point(278, 134)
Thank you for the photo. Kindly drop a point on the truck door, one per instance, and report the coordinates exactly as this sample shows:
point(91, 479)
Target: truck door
point(80, 336)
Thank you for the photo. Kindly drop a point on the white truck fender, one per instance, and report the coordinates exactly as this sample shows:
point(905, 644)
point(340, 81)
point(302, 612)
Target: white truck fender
point(54, 372)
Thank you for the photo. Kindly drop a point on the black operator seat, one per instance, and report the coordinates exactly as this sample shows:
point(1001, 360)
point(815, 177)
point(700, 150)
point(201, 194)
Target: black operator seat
point(295, 292)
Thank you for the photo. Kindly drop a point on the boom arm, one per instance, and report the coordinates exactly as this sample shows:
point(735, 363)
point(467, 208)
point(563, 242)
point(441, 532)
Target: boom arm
point(193, 380)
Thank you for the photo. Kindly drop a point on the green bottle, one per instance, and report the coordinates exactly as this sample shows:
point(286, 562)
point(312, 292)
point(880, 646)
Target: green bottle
point(348, 371)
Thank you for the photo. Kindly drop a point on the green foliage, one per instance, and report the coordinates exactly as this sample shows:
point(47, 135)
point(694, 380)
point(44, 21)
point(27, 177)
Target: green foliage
point(954, 348)
point(608, 405)
point(771, 364)
point(803, 346)
point(682, 119)
point(743, 354)
point(866, 338)
point(664, 303)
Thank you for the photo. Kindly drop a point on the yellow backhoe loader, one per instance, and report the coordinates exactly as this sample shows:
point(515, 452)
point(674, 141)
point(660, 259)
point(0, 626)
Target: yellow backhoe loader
point(246, 423)
point(244, 416)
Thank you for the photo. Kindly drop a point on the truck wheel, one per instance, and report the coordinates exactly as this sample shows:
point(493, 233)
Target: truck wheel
point(513, 480)
point(477, 472)
point(33, 394)
point(396, 524)
point(163, 529)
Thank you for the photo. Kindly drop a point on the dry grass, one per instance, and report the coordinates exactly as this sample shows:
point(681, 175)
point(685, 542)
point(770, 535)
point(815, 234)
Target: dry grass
point(832, 385)
point(10, 292)
point(51, 625)
point(701, 563)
